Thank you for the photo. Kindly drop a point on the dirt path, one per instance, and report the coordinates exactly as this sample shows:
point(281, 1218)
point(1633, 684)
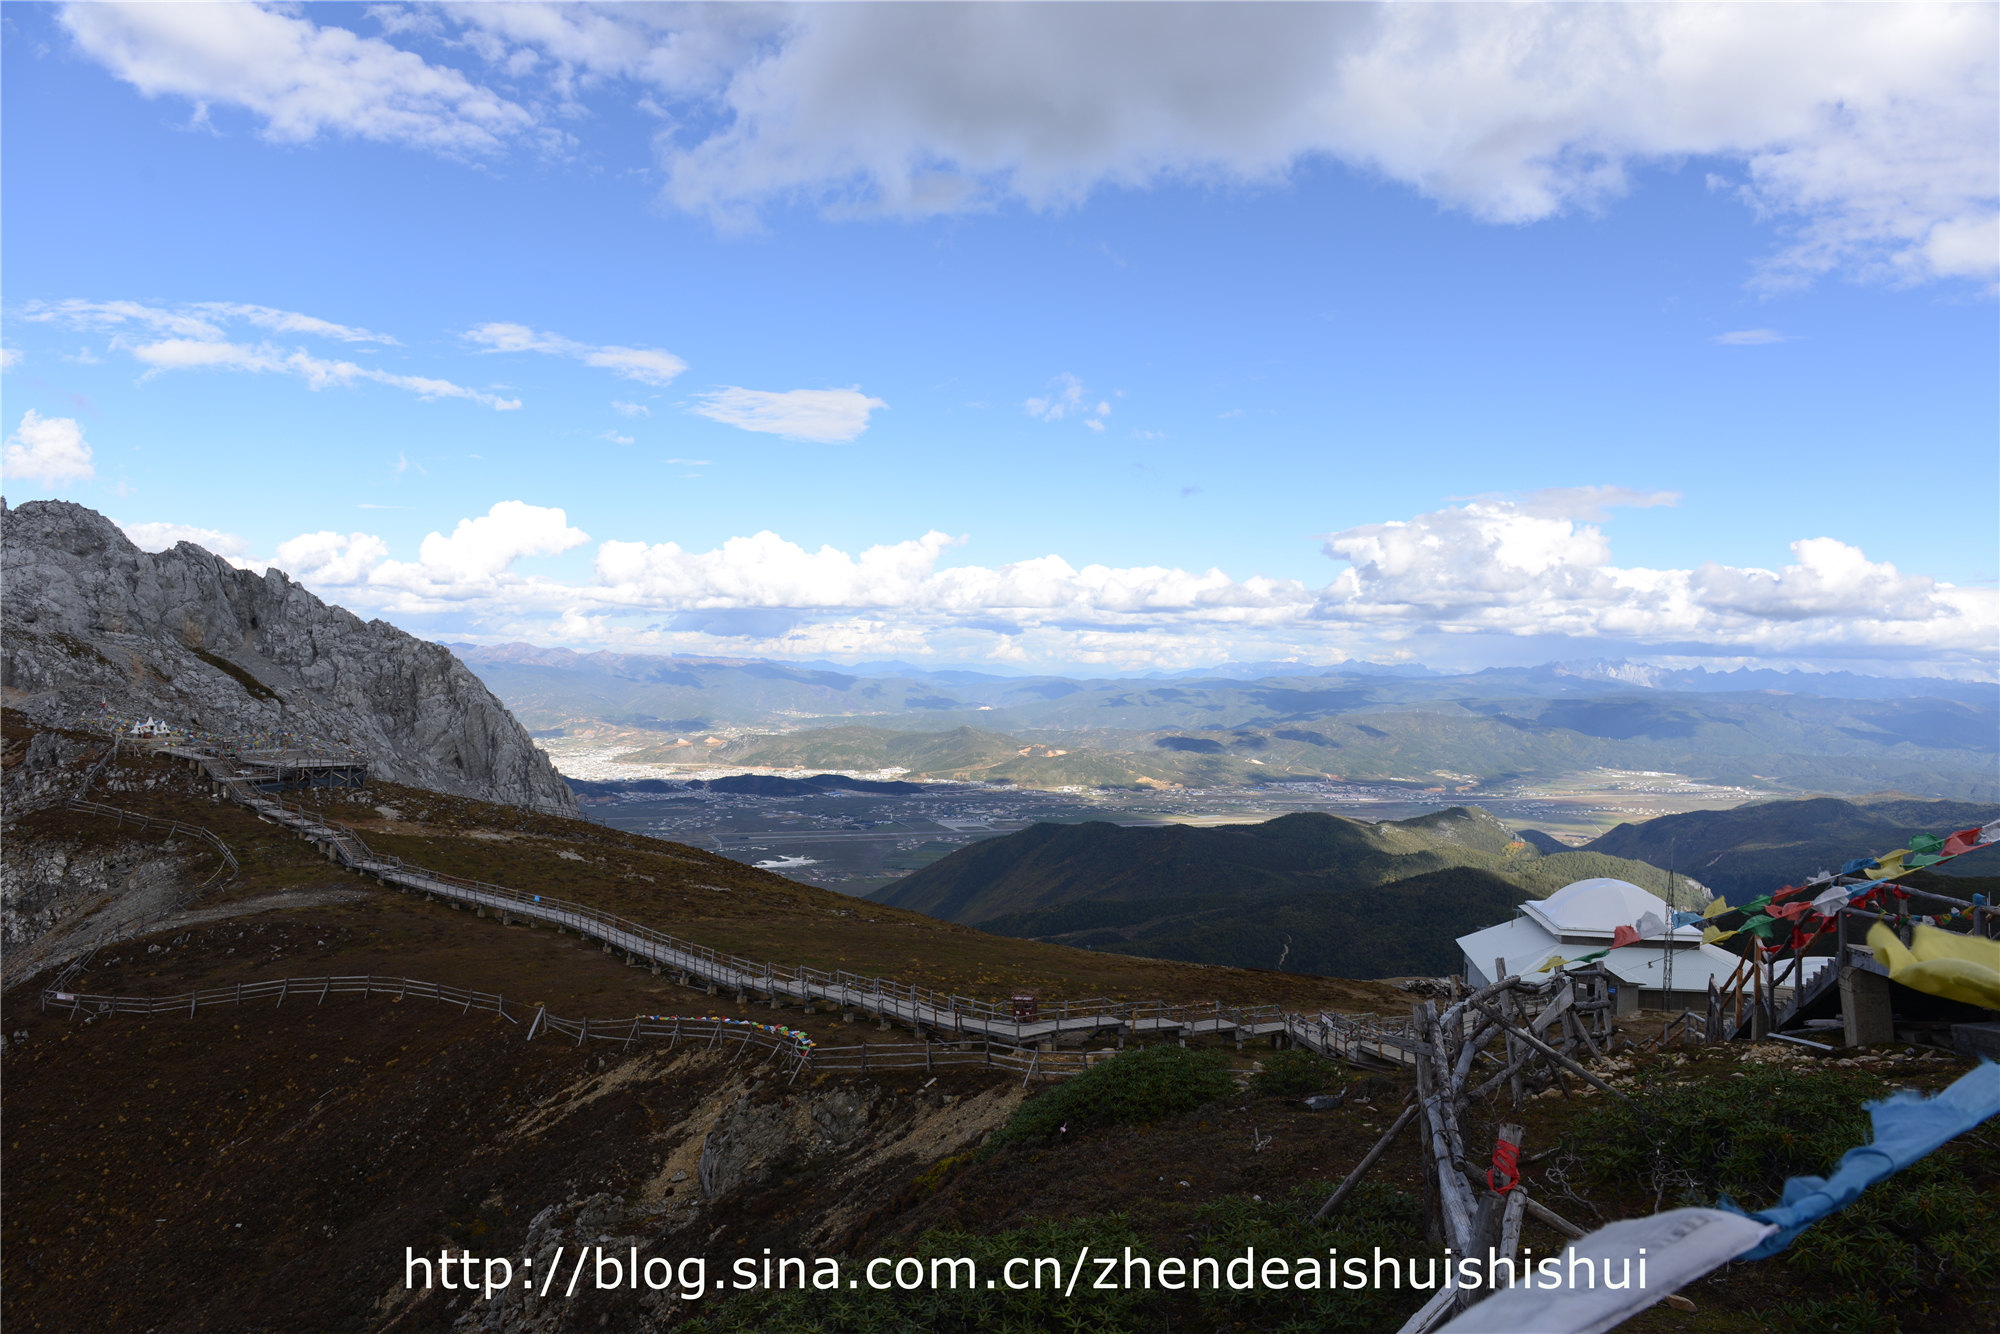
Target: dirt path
point(125, 917)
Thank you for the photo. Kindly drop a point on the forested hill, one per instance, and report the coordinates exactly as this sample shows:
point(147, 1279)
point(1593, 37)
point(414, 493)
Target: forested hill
point(1755, 848)
point(1343, 897)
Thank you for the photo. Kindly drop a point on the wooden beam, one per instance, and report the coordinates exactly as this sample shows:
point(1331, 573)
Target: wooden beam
point(1346, 1187)
point(1560, 1059)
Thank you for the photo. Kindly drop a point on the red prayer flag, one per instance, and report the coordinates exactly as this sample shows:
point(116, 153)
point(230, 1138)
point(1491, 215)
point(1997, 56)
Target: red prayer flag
point(1965, 840)
point(1624, 936)
point(1786, 892)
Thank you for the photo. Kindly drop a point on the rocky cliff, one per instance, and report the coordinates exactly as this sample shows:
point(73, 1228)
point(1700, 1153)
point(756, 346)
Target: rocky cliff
point(92, 626)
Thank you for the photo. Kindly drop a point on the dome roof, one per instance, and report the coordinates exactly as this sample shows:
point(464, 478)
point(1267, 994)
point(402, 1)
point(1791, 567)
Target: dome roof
point(1597, 906)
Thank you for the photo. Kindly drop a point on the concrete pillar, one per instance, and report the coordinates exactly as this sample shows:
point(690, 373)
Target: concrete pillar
point(1864, 1008)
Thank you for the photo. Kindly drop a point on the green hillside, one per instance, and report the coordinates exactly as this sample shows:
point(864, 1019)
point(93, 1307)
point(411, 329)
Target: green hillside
point(1766, 844)
point(1356, 899)
point(1405, 928)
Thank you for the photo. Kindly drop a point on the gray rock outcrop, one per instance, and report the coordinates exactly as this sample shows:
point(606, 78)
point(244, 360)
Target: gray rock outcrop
point(92, 627)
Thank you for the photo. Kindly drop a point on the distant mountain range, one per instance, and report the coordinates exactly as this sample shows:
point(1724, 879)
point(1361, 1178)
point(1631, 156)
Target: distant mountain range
point(1350, 899)
point(1796, 732)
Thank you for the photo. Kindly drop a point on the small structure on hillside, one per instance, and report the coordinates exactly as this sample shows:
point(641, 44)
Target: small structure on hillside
point(1583, 918)
point(272, 770)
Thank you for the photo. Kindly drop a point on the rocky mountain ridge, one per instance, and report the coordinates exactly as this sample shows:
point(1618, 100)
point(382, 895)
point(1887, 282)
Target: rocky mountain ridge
point(95, 627)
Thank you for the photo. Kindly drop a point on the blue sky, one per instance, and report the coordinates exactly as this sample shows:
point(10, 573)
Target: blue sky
point(1042, 337)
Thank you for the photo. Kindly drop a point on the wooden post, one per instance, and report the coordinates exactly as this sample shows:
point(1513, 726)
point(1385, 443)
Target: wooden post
point(1346, 1187)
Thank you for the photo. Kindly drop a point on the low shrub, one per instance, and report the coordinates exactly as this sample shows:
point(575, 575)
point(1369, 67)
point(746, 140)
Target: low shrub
point(1293, 1073)
point(1691, 1139)
point(1374, 1215)
point(1132, 1088)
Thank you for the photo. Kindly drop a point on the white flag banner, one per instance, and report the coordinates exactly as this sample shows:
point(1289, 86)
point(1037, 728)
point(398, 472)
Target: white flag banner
point(1654, 1256)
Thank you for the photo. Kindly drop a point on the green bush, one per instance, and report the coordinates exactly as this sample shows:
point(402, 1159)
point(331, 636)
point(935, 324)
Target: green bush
point(1373, 1215)
point(1692, 1138)
point(1293, 1073)
point(1739, 1135)
point(1132, 1088)
point(956, 1310)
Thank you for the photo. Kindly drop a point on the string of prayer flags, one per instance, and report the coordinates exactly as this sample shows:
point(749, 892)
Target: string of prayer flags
point(1924, 850)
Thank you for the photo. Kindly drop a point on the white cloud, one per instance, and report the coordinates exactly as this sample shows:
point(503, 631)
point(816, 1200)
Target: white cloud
point(50, 450)
point(1867, 133)
point(290, 321)
point(1592, 502)
point(617, 439)
point(9, 358)
point(299, 79)
point(486, 546)
point(1749, 338)
point(1514, 570)
point(330, 558)
point(644, 364)
point(631, 409)
point(317, 372)
point(116, 316)
point(196, 338)
point(1066, 398)
point(1870, 131)
point(158, 536)
point(824, 416)
point(1500, 567)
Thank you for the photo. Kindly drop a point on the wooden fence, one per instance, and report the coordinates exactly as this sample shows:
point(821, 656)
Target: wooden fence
point(145, 823)
point(731, 1037)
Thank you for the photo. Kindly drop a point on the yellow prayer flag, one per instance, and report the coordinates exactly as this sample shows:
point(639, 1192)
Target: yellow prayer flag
point(1716, 907)
point(1711, 934)
point(1942, 963)
point(1888, 865)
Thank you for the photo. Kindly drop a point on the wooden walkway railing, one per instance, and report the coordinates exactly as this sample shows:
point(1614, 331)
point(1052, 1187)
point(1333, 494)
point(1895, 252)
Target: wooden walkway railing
point(944, 1014)
point(172, 827)
point(732, 1037)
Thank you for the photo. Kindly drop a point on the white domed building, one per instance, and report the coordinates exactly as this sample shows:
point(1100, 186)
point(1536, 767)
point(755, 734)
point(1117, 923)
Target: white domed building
point(1579, 919)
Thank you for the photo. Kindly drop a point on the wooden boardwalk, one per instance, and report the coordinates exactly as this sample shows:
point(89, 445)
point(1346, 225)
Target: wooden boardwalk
point(941, 1017)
